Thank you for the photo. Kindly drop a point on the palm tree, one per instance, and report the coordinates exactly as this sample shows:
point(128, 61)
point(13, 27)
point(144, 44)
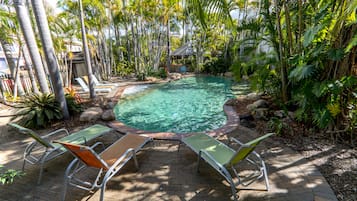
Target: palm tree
point(87, 59)
point(8, 36)
point(25, 24)
point(66, 28)
point(7, 22)
point(45, 35)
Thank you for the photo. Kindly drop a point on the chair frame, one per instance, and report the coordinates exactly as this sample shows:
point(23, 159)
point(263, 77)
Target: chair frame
point(85, 87)
point(97, 83)
point(244, 152)
point(42, 149)
point(105, 171)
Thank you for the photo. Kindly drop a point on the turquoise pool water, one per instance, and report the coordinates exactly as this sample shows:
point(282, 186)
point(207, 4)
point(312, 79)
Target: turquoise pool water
point(191, 104)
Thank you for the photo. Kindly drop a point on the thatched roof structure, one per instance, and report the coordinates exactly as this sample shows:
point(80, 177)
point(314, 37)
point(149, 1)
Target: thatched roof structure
point(183, 51)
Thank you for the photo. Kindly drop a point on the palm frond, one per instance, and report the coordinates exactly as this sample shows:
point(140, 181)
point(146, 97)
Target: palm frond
point(302, 72)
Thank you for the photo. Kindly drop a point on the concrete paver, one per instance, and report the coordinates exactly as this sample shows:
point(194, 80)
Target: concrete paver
point(168, 174)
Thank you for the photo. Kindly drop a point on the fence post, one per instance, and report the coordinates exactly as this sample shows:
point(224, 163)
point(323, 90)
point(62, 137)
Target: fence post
point(3, 97)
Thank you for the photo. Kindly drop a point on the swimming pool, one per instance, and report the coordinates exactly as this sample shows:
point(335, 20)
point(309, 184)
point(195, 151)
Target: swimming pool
point(191, 104)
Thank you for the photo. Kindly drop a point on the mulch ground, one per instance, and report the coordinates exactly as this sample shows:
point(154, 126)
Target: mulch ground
point(337, 161)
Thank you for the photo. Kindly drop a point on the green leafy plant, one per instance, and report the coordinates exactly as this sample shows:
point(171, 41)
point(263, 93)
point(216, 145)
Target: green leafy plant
point(278, 126)
point(74, 107)
point(123, 69)
point(38, 110)
point(8, 176)
point(216, 66)
point(161, 73)
point(74, 101)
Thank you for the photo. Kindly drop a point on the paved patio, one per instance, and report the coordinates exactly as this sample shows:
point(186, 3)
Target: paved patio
point(168, 174)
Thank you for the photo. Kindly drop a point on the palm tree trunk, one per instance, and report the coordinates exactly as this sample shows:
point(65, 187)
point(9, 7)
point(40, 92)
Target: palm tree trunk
point(134, 39)
point(283, 69)
point(18, 86)
point(29, 36)
point(288, 27)
point(8, 55)
point(86, 54)
point(126, 31)
point(300, 25)
point(168, 61)
point(52, 63)
point(30, 72)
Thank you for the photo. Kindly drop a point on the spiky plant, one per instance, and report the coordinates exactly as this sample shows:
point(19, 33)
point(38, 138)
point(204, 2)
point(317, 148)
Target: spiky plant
point(38, 110)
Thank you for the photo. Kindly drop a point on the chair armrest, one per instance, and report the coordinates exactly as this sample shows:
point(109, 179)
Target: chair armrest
point(236, 141)
point(117, 162)
point(56, 132)
point(243, 145)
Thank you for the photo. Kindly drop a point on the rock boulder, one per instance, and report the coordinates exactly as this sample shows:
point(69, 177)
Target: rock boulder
point(108, 115)
point(91, 114)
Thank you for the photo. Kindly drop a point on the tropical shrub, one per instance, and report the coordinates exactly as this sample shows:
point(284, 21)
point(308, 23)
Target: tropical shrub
point(8, 176)
point(38, 110)
point(74, 102)
point(161, 73)
point(330, 105)
point(123, 69)
point(278, 126)
point(216, 66)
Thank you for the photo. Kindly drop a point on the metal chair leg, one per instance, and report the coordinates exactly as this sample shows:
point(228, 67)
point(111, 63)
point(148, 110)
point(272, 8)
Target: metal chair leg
point(265, 176)
point(102, 190)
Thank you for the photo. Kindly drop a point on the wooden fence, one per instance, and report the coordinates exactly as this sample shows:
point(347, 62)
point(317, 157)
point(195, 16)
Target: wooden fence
point(8, 83)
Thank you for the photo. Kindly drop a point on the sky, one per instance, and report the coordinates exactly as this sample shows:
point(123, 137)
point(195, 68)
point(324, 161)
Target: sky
point(52, 3)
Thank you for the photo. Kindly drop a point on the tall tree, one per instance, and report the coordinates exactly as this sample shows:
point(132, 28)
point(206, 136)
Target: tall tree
point(50, 55)
point(25, 24)
point(86, 52)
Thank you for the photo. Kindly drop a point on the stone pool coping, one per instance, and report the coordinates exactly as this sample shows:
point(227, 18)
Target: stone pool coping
point(231, 123)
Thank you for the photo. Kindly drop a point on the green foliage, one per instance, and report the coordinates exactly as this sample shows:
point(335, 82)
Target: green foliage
point(73, 104)
point(161, 73)
point(352, 43)
point(8, 176)
point(261, 70)
point(123, 69)
point(328, 102)
point(302, 72)
point(310, 34)
point(278, 126)
point(216, 66)
point(38, 110)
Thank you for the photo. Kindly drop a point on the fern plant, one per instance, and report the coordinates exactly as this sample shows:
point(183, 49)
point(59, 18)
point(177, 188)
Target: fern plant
point(38, 110)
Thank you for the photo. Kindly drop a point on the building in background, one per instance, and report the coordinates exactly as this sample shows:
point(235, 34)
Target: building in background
point(4, 67)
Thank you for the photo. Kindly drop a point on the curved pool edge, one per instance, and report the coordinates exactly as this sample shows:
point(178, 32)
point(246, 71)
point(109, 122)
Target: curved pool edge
point(231, 124)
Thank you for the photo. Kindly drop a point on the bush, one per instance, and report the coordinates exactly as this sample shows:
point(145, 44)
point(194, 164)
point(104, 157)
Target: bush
point(161, 73)
point(216, 66)
point(123, 69)
point(74, 102)
point(37, 110)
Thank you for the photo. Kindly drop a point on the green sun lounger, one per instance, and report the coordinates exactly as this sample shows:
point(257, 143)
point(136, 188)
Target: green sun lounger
point(222, 158)
point(42, 149)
